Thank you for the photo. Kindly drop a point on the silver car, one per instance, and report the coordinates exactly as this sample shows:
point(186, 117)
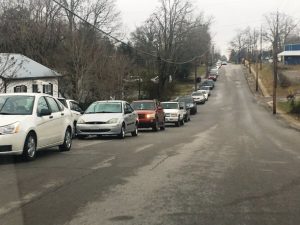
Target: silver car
point(108, 118)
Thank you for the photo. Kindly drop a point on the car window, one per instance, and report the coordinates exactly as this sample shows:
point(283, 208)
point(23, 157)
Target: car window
point(63, 101)
point(53, 105)
point(42, 104)
point(16, 105)
point(143, 105)
point(128, 108)
point(169, 105)
point(104, 107)
point(74, 106)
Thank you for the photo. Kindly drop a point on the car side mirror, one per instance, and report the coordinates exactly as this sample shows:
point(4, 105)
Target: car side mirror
point(45, 112)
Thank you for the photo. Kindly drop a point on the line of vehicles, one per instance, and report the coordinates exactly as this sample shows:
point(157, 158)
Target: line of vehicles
point(31, 121)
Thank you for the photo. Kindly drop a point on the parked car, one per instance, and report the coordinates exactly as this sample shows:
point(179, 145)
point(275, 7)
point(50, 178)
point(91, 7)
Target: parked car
point(74, 107)
point(174, 113)
point(224, 63)
point(212, 77)
point(187, 112)
point(151, 114)
point(198, 97)
point(189, 103)
point(207, 89)
point(31, 122)
point(209, 83)
point(108, 118)
point(205, 93)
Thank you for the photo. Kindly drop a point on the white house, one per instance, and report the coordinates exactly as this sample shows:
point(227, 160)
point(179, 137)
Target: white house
point(19, 73)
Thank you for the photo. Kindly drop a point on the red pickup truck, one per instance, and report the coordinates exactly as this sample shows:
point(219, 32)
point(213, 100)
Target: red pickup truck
point(151, 114)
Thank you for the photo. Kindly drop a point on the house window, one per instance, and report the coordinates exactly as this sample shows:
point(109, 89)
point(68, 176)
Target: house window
point(48, 89)
point(35, 88)
point(20, 89)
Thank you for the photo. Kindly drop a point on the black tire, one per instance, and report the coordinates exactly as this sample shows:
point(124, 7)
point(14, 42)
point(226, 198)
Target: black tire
point(121, 135)
point(163, 127)
point(178, 123)
point(29, 149)
point(135, 133)
point(155, 126)
point(66, 146)
point(186, 119)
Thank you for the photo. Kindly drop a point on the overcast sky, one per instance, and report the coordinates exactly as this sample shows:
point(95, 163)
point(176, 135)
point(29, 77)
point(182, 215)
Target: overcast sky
point(229, 15)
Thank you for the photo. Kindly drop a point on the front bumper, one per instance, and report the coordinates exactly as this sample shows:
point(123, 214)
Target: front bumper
point(98, 129)
point(146, 123)
point(171, 120)
point(12, 144)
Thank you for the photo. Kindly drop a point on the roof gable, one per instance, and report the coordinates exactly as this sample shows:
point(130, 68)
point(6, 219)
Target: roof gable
point(17, 66)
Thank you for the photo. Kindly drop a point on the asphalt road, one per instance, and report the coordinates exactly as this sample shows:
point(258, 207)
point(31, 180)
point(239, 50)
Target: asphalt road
point(234, 163)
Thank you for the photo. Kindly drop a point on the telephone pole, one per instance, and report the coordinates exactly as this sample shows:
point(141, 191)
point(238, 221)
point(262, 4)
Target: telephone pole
point(275, 65)
point(261, 55)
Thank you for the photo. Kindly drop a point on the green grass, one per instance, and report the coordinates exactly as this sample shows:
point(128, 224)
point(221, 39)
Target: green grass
point(288, 108)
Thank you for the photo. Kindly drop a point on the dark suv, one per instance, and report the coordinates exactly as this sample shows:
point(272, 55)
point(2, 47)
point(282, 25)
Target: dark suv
point(151, 114)
point(189, 103)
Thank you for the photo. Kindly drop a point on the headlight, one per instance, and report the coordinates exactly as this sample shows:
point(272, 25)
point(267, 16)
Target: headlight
point(10, 129)
point(151, 116)
point(112, 121)
point(80, 121)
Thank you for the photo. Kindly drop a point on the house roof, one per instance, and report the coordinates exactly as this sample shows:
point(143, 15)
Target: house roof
point(289, 53)
point(17, 66)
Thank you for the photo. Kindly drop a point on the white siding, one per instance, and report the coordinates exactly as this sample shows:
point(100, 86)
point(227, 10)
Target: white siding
point(29, 83)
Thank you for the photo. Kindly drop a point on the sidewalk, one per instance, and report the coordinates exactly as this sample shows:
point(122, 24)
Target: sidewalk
point(267, 98)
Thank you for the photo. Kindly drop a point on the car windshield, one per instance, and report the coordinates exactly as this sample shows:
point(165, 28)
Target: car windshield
point(143, 105)
point(186, 100)
point(104, 107)
point(169, 105)
point(204, 88)
point(197, 94)
point(16, 105)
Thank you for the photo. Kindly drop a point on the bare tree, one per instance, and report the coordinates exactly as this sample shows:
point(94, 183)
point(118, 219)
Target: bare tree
point(8, 70)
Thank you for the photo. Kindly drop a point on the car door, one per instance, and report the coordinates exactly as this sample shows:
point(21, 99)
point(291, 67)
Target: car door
point(130, 118)
point(58, 121)
point(44, 124)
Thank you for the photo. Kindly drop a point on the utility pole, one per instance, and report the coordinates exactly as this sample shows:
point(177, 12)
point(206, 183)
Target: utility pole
point(256, 69)
point(275, 66)
point(261, 39)
point(195, 64)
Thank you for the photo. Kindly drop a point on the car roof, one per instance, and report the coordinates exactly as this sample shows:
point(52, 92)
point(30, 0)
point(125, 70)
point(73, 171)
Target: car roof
point(111, 101)
point(144, 101)
point(26, 94)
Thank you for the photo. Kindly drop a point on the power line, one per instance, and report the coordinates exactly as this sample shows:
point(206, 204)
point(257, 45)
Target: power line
point(124, 43)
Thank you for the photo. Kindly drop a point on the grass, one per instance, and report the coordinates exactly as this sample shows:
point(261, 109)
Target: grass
point(285, 106)
point(266, 75)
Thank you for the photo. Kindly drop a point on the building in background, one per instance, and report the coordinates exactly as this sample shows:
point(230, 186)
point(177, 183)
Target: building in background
point(291, 54)
point(19, 73)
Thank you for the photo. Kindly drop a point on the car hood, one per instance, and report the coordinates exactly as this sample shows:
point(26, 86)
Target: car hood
point(100, 117)
point(9, 119)
point(171, 110)
point(145, 111)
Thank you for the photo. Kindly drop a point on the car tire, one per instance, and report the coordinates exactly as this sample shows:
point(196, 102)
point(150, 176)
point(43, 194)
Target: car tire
point(186, 119)
point(135, 133)
point(122, 133)
point(163, 127)
point(155, 126)
point(29, 149)
point(178, 123)
point(66, 146)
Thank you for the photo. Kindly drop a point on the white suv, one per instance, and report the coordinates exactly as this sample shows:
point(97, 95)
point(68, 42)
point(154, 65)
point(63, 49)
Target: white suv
point(174, 113)
point(30, 122)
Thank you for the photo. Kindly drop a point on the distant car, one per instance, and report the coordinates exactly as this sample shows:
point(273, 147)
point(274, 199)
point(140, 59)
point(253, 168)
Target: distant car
point(30, 122)
point(214, 71)
point(189, 103)
point(205, 93)
point(151, 114)
point(224, 63)
point(74, 107)
point(209, 83)
point(198, 97)
point(108, 118)
point(174, 113)
point(207, 89)
point(213, 77)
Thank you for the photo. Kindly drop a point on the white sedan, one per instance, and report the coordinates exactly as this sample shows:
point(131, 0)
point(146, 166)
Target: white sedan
point(108, 118)
point(30, 122)
point(198, 97)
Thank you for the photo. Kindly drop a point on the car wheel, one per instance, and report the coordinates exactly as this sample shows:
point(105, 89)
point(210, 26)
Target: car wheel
point(178, 123)
point(163, 127)
point(122, 133)
point(186, 119)
point(66, 146)
point(155, 126)
point(29, 150)
point(135, 132)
